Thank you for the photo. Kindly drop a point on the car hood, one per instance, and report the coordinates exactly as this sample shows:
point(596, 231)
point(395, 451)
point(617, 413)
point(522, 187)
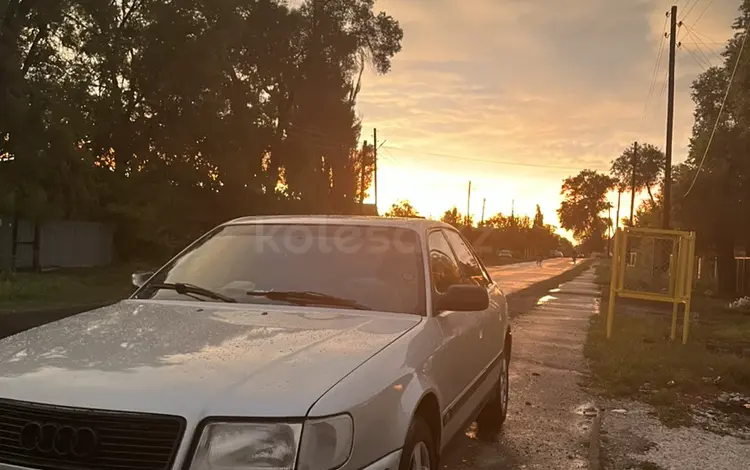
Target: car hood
point(194, 359)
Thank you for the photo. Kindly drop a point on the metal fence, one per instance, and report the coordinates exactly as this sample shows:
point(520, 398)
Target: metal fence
point(53, 244)
point(743, 275)
point(656, 265)
point(706, 272)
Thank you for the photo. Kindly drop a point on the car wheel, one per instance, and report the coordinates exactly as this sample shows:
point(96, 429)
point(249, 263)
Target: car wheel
point(419, 449)
point(494, 413)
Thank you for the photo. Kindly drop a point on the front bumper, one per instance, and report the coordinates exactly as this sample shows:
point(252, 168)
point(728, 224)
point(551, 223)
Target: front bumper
point(389, 462)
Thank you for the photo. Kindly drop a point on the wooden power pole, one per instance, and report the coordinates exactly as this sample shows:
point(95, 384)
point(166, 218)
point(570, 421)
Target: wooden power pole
point(484, 203)
point(375, 164)
point(634, 165)
point(670, 120)
point(468, 207)
point(363, 167)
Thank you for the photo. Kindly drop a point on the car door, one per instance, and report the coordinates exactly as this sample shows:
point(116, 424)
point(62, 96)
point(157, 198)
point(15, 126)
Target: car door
point(455, 364)
point(492, 320)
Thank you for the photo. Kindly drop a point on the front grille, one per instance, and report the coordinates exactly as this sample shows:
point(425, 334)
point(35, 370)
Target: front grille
point(60, 438)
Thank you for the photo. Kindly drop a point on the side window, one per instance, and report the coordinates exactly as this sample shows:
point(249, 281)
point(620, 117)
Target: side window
point(443, 266)
point(467, 261)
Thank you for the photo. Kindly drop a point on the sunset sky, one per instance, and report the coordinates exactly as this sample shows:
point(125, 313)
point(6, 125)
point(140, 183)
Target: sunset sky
point(516, 95)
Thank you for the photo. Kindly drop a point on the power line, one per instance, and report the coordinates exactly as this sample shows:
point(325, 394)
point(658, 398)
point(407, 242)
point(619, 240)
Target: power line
point(482, 160)
point(706, 60)
point(699, 41)
point(690, 9)
point(695, 58)
point(721, 110)
point(710, 2)
point(704, 35)
point(326, 143)
point(656, 66)
point(706, 43)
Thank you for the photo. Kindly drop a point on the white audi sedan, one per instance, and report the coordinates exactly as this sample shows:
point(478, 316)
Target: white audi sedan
point(310, 343)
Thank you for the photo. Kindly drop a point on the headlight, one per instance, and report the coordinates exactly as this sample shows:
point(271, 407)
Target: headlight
point(326, 443)
point(246, 446)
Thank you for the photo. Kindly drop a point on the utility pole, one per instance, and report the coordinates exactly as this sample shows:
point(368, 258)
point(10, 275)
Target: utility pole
point(375, 164)
point(513, 213)
point(484, 202)
point(670, 120)
point(617, 214)
point(363, 166)
point(634, 164)
point(468, 207)
point(609, 231)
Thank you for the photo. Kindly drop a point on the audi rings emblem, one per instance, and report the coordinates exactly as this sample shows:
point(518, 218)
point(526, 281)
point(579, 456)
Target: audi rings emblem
point(49, 438)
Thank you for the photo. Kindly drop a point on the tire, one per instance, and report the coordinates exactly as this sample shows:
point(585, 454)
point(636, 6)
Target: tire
point(420, 443)
point(493, 415)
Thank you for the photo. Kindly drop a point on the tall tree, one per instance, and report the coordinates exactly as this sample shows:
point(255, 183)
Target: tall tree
point(538, 218)
point(649, 168)
point(165, 119)
point(454, 217)
point(712, 188)
point(584, 199)
point(402, 209)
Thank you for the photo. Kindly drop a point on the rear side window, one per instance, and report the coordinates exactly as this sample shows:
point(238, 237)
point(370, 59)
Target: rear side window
point(469, 264)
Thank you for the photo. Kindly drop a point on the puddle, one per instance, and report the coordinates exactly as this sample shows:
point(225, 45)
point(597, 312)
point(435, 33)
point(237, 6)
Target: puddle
point(545, 299)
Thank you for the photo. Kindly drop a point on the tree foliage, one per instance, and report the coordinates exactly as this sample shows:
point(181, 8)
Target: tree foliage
point(711, 189)
point(523, 235)
point(166, 117)
point(455, 218)
point(584, 199)
point(649, 164)
point(538, 217)
point(716, 204)
point(402, 209)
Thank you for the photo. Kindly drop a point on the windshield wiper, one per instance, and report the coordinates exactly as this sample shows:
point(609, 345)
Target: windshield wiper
point(309, 298)
point(184, 289)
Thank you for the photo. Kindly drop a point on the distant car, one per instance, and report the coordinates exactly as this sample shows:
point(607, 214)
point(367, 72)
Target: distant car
point(275, 342)
point(505, 254)
point(556, 254)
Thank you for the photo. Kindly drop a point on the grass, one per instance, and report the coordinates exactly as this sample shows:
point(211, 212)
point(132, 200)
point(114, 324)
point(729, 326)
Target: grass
point(65, 288)
point(603, 272)
point(640, 362)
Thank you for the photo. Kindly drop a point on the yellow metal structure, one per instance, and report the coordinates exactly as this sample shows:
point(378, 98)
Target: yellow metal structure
point(653, 264)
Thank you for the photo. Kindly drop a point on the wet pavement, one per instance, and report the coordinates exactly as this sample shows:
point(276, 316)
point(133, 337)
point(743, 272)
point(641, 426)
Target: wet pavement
point(515, 277)
point(549, 416)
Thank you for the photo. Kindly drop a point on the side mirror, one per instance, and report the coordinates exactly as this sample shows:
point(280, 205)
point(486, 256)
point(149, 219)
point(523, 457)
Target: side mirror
point(141, 277)
point(464, 298)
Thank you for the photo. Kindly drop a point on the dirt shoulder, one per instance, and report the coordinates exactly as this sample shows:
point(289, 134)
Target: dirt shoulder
point(669, 405)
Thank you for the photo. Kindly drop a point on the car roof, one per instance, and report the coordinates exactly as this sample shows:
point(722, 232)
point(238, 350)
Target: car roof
point(418, 224)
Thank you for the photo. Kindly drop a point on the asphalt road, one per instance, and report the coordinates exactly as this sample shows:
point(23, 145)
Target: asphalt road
point(549, 417)
point(514, 277)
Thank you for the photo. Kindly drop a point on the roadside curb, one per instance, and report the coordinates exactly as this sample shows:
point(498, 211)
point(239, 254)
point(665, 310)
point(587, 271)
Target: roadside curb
point(594, 441)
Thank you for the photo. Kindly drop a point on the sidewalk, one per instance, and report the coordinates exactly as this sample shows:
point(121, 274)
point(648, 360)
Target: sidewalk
point(550, 416)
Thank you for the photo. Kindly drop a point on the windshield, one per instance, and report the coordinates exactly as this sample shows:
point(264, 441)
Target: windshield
point(376, 267)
